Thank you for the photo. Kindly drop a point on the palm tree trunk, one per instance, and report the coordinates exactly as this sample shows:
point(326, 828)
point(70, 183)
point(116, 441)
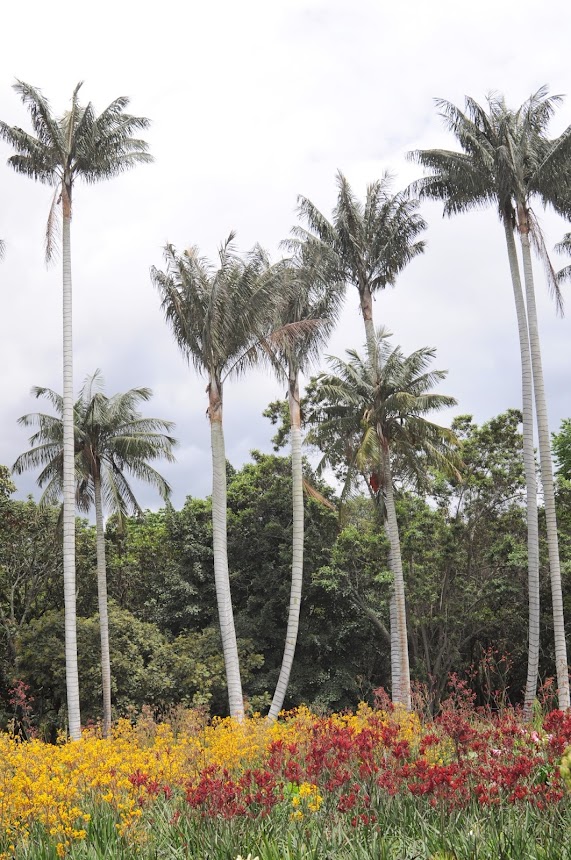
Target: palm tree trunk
point(395, 650)
point(367, 313)
point(219, 539)
point(297, 547)
point(103, 609)
point(71, 670)
point(400, 673)
point(530, 477)
point(403, 694)
point(546, 467)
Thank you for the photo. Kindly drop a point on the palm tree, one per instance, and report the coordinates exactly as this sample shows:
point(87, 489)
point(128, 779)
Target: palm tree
point(77, 145)
point(384, 405)
point(111, 439)
point(366, 245)
point(221, 319)
point(506, 161)
point(308, 296)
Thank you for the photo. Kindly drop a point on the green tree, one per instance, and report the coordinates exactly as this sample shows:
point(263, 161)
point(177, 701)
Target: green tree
point(507, 160)
point(365, 245)
point(111, 439)
point(30, 571)
point(77, 145)
point(220, 317)
point(386, 404)
point(160, 567)
point(562, 449)
point(338, 661)
point(6, 484)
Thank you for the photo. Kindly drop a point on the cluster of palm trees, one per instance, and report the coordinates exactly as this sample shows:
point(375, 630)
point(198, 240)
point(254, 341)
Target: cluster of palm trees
point(507, 160)
point(245, 310)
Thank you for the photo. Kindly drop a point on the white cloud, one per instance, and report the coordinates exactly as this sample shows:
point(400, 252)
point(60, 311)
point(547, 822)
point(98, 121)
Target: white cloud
point(253, 104)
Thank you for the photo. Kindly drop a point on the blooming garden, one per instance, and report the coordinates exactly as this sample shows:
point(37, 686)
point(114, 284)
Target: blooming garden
point(372, 783)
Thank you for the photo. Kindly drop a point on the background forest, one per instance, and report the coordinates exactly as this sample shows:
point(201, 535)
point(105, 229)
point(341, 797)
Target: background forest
point(464, 553)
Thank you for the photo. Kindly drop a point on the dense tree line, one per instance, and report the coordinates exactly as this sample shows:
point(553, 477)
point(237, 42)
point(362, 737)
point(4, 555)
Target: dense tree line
point(464, 559)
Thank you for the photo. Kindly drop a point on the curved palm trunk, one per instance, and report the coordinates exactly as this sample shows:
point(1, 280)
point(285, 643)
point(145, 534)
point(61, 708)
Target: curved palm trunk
point(71, 670)
point(400, 673)
point(219, 539)
point(103, 609)
point(297, 548)
point(402, 694)
point(530, 477)
point(546, 467)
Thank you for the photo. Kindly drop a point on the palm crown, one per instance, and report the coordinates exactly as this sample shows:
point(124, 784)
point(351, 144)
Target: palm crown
point(376, 410)
point(111, 438)
point(506, 160)
point(368, 244)
point(222, 318)
point(79, 144)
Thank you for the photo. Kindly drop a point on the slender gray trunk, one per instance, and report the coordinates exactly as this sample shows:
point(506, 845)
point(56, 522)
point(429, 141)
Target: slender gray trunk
point(399, 598)
point(546, 467)
point(530, 477)
point(71, 670)
point(219, 539)
point(395, 650)
point(103, 608)
point(370, 334)
point(297, 548)
point(400, 672)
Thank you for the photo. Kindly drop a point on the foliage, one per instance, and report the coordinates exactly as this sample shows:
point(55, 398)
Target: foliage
point(259, 543)
point(562, 449)
point(463, 549)
point(111, 438)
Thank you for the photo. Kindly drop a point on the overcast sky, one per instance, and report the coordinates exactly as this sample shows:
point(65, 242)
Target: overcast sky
point(253, 103)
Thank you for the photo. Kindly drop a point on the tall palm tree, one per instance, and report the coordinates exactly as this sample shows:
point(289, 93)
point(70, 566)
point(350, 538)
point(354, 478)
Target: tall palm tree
point(506, 160)
point(77, 145)
point(384, 404)
point(366, 245)
point(310, 297)
point(221, 319)
point(112, 438)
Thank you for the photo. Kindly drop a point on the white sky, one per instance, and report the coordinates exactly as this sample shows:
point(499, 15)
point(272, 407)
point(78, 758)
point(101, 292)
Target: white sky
point(253, 103)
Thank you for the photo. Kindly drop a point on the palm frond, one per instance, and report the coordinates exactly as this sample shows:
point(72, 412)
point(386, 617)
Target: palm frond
point(52, 227)
point(538, 242)
point(363, 413)
point(111, 438)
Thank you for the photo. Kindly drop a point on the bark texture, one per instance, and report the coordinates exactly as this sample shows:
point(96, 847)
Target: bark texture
point(71, 670)
point(103, 609)
point(530, 476)
point(546, 467)
point(219, 539)
point(297, 550)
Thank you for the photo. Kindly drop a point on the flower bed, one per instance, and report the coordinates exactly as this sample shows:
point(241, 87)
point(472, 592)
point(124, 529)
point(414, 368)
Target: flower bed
point(373, 783)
